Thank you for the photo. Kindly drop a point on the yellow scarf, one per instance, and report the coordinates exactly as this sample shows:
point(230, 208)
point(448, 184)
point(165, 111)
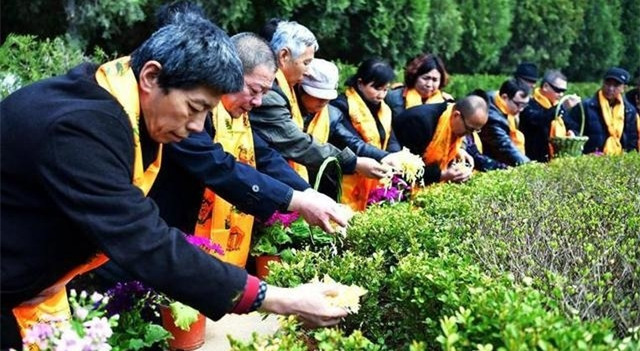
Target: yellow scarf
point(638, 127)
point(218, 220)
point(118, 79)
point(355, 187)
point(320, 125)
point(295, 114)
point(517, 138)
point(614, 119)
point(557, 128)
point(413, 98)
point(443, 147)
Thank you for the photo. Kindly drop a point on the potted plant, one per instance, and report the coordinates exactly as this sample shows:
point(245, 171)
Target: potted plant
point(278, 237)
point(183, 327)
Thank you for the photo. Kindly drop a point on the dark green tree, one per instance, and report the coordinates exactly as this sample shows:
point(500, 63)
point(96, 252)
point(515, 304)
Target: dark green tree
point(630, 28)
point(600, 43)
point(444, 32)
point(487, 24)
point(543, 32)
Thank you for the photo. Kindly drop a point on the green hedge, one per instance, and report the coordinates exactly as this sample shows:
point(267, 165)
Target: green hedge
point(543, 256)
point(25, 59)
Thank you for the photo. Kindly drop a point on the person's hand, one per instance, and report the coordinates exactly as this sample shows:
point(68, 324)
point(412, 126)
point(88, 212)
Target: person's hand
point(392, 160)
point(466, 158)
point(456, 174)
point(571, 101)
point(319, 209)
point(371, 168)
point(307, 301)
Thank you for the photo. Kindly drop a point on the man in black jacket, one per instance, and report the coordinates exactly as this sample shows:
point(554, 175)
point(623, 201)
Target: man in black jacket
point(536, 118)
point(79, 152)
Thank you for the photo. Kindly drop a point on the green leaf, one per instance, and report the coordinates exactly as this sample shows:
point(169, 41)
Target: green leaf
point(183, 315)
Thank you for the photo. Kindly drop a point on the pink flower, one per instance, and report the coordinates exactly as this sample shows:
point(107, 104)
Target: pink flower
point(285, 218)
point(205, 244)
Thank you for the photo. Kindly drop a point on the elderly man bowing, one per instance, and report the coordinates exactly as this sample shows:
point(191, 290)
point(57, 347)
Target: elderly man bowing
point(80, 151)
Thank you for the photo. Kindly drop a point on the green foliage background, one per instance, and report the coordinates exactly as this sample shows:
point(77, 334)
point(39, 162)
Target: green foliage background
point(581, 37)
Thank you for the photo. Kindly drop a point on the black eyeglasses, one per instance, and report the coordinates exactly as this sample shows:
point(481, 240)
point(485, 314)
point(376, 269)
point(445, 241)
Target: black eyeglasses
point(520, 104)
point(555, 88)
point(467, 127)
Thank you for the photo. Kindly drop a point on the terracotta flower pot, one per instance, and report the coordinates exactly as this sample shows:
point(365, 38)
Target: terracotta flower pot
point(183, 340)
point(261, 264)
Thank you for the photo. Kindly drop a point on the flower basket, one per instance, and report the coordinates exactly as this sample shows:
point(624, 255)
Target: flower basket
point(321, 171)
point(569, 146)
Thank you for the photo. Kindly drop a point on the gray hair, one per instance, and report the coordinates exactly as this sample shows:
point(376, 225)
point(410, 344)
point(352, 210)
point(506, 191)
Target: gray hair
point(254, 51)
point(551, 75)
point(294, 36)
point(193, 52)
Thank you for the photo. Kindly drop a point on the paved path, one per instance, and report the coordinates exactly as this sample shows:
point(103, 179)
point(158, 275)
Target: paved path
point(240, 326)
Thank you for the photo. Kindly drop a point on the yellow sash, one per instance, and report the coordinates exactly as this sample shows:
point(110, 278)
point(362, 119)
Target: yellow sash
point(443, 147)
point(218, 220)
point(638, 127)
point(614, 119)
point(557, 128)
point(517, 138)
point(117, 78)
point(295, 114)
point(320, 125)
point(413, 98)
point(355, 187)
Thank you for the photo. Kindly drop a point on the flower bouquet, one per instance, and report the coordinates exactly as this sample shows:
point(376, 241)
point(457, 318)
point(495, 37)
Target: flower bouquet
point(88, 329)
point(398, 184)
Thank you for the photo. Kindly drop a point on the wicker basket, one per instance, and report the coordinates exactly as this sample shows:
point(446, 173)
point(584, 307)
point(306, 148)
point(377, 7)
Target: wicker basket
point(569, 146)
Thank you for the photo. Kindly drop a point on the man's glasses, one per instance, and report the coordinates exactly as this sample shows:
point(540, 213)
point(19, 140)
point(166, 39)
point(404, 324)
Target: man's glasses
point(556, 89)
point(520, 104)
point(468, 128)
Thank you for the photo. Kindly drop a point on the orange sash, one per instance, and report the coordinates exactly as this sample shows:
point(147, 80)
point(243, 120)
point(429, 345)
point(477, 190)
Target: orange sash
point(614, 119)
point(517, 138)
point(413, 98)
point(296, 115)
point(443, 147)
point(355, 187)
point(117, 78)
point(218, 220)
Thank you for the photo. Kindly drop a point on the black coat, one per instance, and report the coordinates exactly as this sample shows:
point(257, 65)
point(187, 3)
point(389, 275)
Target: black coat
point(535, 124)
point(496, 142)
point(415, 128)
point(596, 129)
point(66, 169)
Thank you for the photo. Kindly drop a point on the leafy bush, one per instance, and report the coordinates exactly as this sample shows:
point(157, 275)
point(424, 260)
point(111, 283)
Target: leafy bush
point(291, 337)
point(508, 260)
point(25, 59)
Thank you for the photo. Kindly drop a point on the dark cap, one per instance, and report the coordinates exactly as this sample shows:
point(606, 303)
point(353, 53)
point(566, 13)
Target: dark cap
point(527, 70)
point(618, 74)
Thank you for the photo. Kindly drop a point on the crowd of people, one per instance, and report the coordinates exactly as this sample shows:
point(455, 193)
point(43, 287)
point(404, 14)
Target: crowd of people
point(195, 132)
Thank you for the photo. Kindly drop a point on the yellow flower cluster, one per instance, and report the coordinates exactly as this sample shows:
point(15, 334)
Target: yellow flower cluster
point(345, 296)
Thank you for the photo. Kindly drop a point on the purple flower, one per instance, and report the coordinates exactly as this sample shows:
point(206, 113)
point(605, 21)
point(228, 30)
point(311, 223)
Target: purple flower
point(395, 193)
point(205, 244)
point(285, 218)
point(123, 296)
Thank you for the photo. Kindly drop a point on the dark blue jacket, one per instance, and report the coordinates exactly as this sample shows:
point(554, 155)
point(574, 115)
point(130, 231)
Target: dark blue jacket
point(596, 129)
point(196, 162)
point(496, 142)
point(535, 124)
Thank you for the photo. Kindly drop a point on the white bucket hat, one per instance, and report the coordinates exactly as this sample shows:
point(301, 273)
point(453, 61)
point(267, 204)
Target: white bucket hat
point(321, 79)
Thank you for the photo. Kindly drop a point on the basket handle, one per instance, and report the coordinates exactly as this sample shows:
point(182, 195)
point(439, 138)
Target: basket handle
point(559, 105)
point(324, 165)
